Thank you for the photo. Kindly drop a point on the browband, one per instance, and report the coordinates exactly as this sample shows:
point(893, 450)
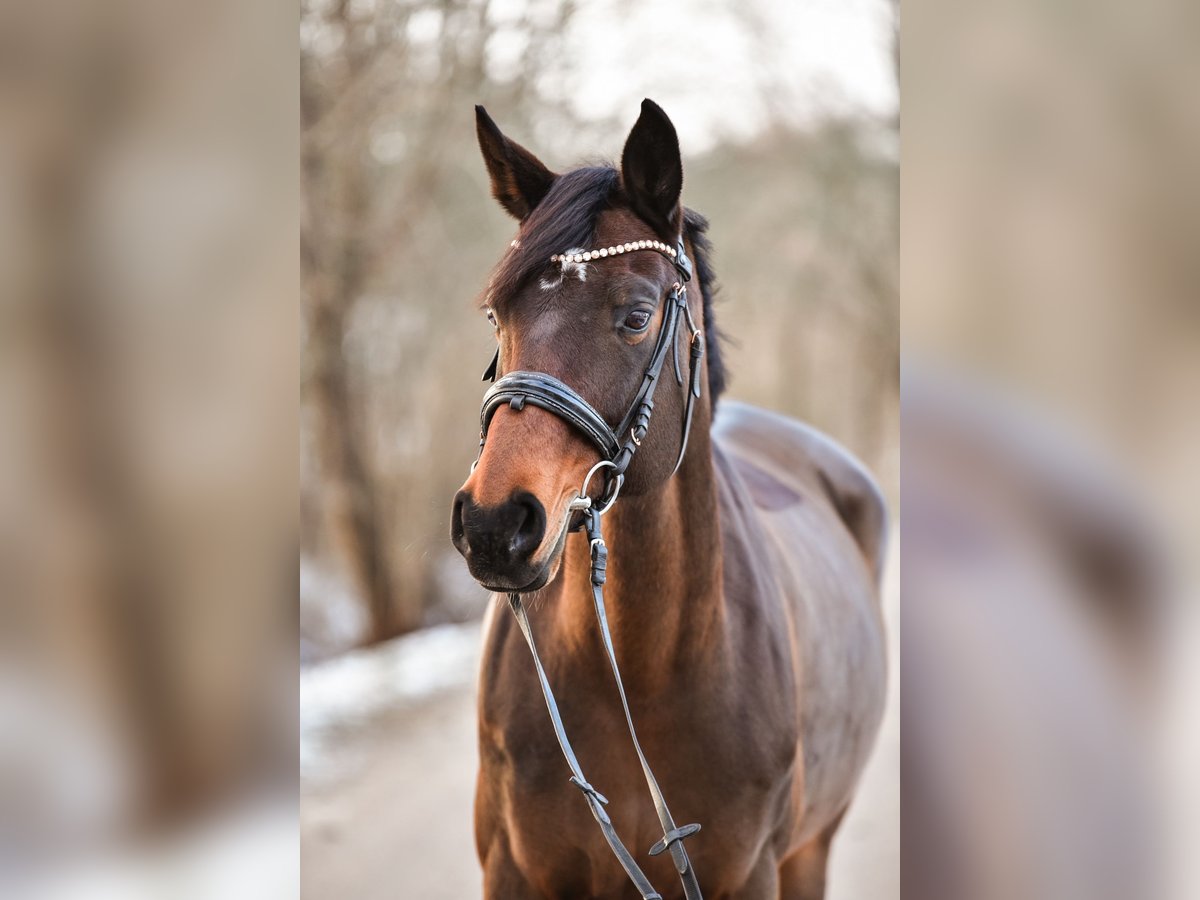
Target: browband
point(675, 254)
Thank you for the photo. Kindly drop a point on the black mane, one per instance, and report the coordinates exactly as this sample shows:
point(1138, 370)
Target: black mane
point(566, 217)
point(695, 229)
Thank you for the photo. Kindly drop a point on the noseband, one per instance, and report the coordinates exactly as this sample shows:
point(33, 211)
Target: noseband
point(617, 447)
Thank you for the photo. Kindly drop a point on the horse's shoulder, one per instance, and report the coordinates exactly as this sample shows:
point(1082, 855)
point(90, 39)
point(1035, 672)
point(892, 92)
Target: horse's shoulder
point(781, 460)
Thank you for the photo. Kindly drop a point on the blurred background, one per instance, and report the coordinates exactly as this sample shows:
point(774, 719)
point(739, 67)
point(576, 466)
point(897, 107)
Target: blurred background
point(791, 154)
point(787, 116)
point(1051, 343)
point(157, 331)
point(148, 419)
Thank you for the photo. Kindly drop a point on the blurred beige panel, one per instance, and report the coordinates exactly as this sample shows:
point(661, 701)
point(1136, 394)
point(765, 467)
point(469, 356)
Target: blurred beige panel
point(147, 457)
point(1051, 209)
point(1050, 223)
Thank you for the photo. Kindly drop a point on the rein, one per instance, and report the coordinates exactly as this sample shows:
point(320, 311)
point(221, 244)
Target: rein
point(617, 447)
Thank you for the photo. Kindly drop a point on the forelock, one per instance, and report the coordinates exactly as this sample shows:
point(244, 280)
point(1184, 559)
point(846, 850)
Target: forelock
point(565, 218)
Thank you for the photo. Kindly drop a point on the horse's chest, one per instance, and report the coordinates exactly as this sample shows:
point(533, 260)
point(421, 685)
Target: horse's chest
point(703, 765)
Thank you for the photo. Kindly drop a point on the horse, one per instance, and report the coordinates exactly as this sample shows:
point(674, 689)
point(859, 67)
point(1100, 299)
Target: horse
point(743, 569)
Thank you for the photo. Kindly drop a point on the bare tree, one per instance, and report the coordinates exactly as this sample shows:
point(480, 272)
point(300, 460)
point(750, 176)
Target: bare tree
point(407, 73)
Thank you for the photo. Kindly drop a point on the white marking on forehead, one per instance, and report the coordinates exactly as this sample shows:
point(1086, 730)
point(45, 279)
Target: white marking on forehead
point(578, 269)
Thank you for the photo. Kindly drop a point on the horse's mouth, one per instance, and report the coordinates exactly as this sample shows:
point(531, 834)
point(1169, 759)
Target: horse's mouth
point(539, 581)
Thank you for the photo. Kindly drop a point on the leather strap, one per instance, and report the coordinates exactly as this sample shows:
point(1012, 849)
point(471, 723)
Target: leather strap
point(673, 835)
point(636, 424)
point(489, 374)
point(596, 801)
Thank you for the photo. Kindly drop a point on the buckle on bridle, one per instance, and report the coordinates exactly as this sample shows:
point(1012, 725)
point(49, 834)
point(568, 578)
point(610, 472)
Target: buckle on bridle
point(674, 836)
point(589, 790)
point(682, 263)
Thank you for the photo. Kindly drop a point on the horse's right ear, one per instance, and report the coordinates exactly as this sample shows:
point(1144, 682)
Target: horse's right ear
point(652, 173)
point(519, 180)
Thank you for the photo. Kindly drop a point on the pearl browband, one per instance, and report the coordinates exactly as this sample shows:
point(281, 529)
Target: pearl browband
point(676, 254)
point(588, 255)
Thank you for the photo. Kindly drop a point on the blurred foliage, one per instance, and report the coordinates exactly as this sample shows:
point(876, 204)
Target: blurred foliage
point(399, 232)
point(804, 229)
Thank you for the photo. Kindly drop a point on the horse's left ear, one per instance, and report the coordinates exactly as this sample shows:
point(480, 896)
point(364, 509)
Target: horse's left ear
point(652, 171)
point(519, 179)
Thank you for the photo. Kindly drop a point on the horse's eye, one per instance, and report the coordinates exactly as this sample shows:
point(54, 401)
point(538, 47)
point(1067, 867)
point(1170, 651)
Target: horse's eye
point(491, 317)
point(637, 320)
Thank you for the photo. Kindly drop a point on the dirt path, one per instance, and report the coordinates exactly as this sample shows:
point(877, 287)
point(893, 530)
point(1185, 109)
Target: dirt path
point(393, 818)
point(400, 825)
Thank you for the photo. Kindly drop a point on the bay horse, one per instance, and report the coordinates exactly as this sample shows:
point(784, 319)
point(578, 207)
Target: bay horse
point(742, 589)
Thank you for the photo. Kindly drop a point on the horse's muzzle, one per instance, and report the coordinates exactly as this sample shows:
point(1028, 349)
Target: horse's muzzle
point(499, 542)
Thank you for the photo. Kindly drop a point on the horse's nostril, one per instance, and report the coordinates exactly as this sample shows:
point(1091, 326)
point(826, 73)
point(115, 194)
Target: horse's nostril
point(530, 519)
point(457, 535)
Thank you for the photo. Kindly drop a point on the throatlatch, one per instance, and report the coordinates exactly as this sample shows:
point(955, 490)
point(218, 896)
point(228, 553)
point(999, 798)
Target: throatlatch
point(617, 447)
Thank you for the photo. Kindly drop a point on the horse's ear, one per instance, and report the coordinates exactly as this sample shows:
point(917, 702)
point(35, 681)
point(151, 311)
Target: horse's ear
point(519, 180)
point(652, 172)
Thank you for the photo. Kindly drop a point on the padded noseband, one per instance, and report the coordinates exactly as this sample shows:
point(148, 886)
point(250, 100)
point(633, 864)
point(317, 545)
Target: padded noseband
point(538, 389)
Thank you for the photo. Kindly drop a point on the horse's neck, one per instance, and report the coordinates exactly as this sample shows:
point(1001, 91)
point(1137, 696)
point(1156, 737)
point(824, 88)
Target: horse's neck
point(663, 592)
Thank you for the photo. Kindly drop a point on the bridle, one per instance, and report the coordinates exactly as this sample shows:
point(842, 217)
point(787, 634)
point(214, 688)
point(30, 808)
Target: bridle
point(617, 448)
point(615, 445)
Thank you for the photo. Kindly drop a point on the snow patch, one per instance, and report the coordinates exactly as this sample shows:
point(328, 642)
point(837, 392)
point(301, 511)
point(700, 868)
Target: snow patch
point(332, 615)
point(345, 693)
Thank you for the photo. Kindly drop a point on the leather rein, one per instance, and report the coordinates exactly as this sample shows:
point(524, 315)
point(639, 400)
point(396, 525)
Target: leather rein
point(617, 448)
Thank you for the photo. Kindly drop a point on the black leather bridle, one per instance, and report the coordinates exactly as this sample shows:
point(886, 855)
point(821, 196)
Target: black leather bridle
point(617, 447)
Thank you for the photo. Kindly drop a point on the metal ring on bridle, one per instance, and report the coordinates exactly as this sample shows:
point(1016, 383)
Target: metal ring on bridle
point(614, 490)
